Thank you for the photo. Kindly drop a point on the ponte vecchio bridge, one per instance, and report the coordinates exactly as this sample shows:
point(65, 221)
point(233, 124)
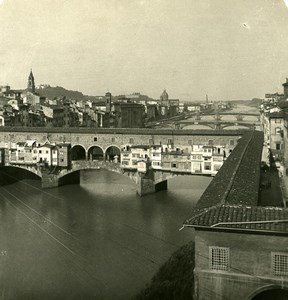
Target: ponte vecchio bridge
point(94, 148)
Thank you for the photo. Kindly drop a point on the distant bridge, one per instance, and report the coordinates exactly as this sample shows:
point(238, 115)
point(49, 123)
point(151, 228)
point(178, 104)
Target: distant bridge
point(227, 113)
point(217, 124)
point(218, 121)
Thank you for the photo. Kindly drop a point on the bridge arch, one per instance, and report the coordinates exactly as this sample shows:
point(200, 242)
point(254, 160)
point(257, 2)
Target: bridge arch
point(113, 153)
point(199, 125)
point(78, 152)
point(20, 172)
point(95, 153)
point(238, 126)
point(269, 292)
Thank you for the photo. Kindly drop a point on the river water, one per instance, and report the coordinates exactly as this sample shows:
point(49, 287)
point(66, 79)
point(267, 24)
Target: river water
point(97, 240)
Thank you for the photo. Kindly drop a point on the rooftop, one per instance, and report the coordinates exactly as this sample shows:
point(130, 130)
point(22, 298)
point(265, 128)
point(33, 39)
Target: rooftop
point(232, 196)
point(243, 217)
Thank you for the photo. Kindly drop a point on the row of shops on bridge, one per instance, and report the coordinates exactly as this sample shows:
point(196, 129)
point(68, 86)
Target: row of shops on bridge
point(31, 153)
point(198, 159)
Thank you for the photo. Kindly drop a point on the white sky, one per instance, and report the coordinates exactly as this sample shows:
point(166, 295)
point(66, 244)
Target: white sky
point(228, 49)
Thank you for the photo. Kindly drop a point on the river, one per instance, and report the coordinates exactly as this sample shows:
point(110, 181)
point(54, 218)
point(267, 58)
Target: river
point(97, 240)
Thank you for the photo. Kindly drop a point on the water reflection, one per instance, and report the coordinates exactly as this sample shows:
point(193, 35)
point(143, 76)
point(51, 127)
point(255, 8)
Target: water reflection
point(97, 240)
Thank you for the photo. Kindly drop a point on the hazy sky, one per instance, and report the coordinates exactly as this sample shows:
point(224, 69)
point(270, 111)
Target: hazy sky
point(228, 49)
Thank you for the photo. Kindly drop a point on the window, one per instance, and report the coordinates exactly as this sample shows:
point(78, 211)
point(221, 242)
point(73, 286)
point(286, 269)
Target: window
point(46, 151)
point(210, 142)
point(40, 151)
point(131, 141)
point(277, 130)
point(231, 142)
point(278, 146)
point(174, 165)
point(95, 139)
point(219, 258)
point(189, 142)
point(112, 140)
point(77, 138)
point(279, 264)
point(169, 142)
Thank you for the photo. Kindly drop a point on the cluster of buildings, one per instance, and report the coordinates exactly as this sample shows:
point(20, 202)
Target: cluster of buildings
point(197, 159)
point(274, 124)
point(31, 153)
point(27, 108)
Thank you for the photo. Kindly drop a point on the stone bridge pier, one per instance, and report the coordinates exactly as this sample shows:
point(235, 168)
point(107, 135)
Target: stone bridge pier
point(146, 183)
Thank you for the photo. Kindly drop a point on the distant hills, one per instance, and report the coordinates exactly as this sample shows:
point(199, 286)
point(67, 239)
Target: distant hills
point(255, 102)
point(58, 91)
point(54, 92)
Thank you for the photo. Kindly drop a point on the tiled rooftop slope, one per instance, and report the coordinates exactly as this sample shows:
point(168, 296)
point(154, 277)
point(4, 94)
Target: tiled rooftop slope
point(237, 182)
point(230, 201)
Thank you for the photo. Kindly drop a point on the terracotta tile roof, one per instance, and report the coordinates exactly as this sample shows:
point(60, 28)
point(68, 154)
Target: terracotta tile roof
point(237, 182)
point(232, 196)
point(242, 217)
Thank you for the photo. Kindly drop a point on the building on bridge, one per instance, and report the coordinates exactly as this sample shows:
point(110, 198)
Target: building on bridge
point(199, 159)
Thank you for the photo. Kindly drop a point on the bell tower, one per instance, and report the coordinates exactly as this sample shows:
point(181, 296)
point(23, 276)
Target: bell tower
point(108, 98)
point(31, 83)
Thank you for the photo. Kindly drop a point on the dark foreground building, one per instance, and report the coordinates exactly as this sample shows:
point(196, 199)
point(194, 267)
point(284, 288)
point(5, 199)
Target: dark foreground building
point(241, 249)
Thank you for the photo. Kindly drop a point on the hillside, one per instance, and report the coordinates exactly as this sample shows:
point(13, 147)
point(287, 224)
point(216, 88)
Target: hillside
point(58, 91)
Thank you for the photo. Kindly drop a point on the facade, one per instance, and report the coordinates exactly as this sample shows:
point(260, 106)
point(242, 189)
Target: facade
point(207, 159)
point(285, 88)
point(32, 153)
point(241, 256)
point(276, 122)
point(204, 160)
point(129, 115)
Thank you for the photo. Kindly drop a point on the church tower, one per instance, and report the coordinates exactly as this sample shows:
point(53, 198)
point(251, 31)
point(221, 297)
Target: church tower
point(108, 98)
point(31, 83)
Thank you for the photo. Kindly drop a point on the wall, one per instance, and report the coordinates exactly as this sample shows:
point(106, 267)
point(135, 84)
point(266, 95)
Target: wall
point(103, 137)
point(250, 264)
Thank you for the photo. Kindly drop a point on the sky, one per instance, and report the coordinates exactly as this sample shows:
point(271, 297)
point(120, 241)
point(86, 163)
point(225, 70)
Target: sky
point(227, 49)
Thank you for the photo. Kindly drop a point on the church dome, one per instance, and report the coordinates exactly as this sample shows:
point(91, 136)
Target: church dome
point(164, 95)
